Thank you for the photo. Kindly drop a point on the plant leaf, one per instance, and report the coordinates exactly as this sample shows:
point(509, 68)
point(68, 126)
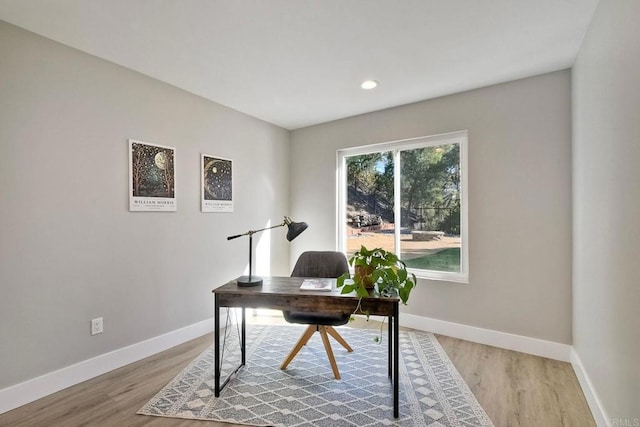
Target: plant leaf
point(362, 292)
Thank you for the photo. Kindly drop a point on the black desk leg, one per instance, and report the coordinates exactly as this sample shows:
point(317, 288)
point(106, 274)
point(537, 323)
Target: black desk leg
point(243, 346)
point(216, 344)
point(396, 361)
point(390, 346)
point(217, 361)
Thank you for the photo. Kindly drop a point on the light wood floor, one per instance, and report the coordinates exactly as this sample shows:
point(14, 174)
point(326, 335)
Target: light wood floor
point(515, 389)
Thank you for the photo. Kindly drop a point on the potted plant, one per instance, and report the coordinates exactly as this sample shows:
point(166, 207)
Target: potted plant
point(378, 268)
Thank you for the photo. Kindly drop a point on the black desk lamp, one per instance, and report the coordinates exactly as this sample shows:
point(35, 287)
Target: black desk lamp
point(295, 228)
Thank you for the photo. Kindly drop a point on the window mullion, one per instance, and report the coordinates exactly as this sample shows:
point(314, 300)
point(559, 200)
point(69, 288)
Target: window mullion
point(397, 207)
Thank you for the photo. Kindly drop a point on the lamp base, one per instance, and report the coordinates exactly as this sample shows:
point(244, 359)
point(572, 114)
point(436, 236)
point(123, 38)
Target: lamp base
point(246, 281)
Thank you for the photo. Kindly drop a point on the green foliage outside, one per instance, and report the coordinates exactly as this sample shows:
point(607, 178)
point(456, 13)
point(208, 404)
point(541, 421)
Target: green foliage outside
point(429, 185)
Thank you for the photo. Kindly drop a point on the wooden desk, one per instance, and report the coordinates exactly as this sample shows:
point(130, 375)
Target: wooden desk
point(283, 293)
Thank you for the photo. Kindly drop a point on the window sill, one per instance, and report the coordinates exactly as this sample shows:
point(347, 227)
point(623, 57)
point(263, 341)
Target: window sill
point(442, 276)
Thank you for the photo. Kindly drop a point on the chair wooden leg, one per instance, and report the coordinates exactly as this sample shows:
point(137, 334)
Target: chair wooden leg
point(301, 342)
point(331, 331)
point(327, 347)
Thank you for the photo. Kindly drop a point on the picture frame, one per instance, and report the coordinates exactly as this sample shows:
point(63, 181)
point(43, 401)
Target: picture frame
point(216, 189)
point(152, 177)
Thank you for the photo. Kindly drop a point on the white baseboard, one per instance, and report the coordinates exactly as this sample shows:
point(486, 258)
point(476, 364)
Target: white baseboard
point(597, 410)
point(36, 388)
point(535, 346)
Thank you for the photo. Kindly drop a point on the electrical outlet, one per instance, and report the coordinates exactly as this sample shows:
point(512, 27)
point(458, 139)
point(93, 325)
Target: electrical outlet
point(97, 326)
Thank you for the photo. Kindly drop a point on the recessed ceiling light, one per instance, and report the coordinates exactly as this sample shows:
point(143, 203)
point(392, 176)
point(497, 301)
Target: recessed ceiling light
point(369, 84)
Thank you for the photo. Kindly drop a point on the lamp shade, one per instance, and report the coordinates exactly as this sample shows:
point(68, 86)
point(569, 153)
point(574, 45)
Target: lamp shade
point(295, 228)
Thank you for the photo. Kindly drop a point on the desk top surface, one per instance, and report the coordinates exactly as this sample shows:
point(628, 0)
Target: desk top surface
point(280, 291)
point(275, 285)
point(285, 285)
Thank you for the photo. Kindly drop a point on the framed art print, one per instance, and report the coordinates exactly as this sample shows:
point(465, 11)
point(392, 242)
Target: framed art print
point(217, 184)
point(152, 177)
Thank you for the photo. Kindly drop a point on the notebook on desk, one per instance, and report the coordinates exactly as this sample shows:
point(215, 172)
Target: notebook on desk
point(317, 285)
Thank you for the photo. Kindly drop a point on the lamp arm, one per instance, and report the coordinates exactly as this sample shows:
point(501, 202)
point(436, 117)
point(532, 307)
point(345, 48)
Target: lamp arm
point(252, 232)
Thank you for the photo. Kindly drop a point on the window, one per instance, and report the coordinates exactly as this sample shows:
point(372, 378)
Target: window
point(409, 197)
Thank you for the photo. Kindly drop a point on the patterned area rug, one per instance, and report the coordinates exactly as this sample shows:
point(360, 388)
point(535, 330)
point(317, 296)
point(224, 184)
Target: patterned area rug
point(432, 393)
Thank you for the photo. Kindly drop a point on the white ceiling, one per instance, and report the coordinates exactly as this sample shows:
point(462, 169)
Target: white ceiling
point(296, 63)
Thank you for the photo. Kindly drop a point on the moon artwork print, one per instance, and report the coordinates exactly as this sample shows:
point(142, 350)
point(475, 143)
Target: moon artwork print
point(152, 178)
point(217, 184)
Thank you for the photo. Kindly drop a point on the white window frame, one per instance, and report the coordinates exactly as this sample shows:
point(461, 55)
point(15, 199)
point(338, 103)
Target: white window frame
point(460, 138)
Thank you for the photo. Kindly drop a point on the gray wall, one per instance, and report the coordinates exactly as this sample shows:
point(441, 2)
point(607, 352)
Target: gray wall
point(606, 198)
point(519, 199)
point(70, 250)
